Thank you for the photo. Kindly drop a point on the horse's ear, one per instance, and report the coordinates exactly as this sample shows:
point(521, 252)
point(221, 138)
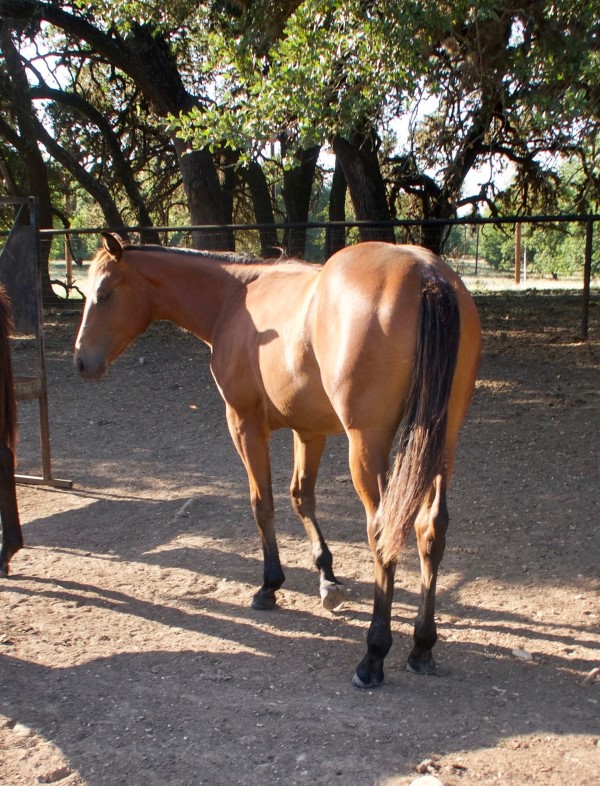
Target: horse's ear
point(113, 244)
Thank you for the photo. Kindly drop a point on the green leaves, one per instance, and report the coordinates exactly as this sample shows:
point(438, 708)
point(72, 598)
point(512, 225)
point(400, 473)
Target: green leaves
point(457, 83)
point(336, 68)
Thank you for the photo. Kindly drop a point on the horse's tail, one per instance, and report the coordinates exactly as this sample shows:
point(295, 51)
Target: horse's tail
point(422, 433)
point(8, 404)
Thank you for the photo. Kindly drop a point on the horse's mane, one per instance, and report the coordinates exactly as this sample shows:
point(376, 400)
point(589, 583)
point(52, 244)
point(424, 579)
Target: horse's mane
point(222, 256)
point(230, 257)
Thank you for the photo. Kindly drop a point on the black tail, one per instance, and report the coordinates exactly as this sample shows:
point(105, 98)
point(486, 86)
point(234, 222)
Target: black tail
point(423, 429)
point(8, 405)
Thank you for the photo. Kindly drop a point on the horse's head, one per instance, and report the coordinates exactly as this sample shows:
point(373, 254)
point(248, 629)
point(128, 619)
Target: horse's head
point(115, 311)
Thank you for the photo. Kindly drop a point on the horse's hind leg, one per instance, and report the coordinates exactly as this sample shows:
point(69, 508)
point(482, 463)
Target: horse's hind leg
point(12, 537)
point(431, 526)
point(307, 456)
point(368, 464)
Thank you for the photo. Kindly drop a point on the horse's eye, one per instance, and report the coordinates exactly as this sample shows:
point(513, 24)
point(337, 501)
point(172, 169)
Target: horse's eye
point(103, 296)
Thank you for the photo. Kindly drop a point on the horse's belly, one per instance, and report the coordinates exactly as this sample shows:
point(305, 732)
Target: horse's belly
point(295, 397)
point(305, 420)
point(304, 409)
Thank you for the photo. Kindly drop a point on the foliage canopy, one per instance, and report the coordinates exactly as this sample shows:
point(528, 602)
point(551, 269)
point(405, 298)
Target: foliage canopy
point(223, 107)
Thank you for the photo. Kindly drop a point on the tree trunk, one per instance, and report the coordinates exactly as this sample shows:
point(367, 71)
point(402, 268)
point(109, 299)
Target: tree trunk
point(434, 236)
point(205, 199)
point(297, 191)
point(360, 165)
point(335, 237)
point(154, 67)
point(263, 210)
point(35, 166)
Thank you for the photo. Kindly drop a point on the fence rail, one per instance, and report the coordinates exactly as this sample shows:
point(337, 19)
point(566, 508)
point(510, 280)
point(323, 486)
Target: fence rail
point(318, 239)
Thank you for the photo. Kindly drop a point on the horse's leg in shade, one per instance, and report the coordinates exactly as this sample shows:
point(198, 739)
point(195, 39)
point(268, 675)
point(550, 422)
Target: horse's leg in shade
point(251, 438)
point(431, 526)
point(12, 536)
point(368, 464)
point(308, 450)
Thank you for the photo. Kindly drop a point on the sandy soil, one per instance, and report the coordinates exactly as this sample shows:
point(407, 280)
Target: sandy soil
point(129, 654)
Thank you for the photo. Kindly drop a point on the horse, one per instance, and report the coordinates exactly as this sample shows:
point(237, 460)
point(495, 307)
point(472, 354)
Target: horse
point(12, 536)
point(382, 342)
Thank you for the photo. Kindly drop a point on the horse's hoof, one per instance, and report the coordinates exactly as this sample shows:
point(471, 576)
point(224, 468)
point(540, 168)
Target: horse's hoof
point(263, 601)
point(372, 683)
point(369, 673)
point(425, 667)
point(333, 594)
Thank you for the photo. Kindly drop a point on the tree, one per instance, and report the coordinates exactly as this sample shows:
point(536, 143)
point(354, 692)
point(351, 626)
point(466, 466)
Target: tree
point(21, 134)
point(314, 84)
point(492, 80)
point(143, 54)
point(411, 97)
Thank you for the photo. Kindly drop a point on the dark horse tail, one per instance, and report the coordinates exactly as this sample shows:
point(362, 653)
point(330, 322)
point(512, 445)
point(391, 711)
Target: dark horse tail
point(422, 433)
point(8, 405)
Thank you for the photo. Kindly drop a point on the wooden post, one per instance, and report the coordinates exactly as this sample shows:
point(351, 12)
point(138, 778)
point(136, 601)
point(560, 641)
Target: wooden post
point(68, 255)
point(587, 274)
point(517, 253)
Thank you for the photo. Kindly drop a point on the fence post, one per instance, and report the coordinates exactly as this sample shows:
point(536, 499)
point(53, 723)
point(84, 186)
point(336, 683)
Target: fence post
point(517, 253)
point(68, 254)
point(587, 274)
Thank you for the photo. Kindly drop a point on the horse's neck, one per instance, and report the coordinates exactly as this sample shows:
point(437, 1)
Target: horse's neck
point(191, 291)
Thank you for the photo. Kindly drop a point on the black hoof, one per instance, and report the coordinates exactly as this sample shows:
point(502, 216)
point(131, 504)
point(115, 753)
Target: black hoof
point(372, 683)
point(264, 600)
point(369, 673)
point(424, 665)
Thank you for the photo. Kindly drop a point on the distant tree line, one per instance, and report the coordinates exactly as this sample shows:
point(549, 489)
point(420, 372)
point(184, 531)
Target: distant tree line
point(547, 249)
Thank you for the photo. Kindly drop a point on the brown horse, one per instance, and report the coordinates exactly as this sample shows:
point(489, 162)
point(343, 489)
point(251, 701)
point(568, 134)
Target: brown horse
point(12, 537)
point(382, 339)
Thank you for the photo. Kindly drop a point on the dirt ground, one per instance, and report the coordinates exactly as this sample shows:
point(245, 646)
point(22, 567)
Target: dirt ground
point(129, 654)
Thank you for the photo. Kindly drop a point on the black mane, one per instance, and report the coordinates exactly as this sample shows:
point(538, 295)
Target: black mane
point(229, 257)
point(222, 256)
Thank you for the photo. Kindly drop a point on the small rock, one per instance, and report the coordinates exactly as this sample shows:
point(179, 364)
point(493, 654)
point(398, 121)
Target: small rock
point(593, 676)
point(21, 730)
point(427, 765)
point(523, 654)
point(55, 776)
point(427, 780)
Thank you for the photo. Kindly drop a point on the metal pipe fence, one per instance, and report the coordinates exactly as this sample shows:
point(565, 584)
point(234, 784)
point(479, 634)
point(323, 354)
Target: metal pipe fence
point(491, 253)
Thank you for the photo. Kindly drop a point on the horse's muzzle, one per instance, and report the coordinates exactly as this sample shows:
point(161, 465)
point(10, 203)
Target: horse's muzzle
point(89, 369)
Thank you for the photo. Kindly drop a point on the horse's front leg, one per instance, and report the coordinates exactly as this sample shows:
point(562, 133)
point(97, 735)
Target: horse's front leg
point(12, 537)
point(308, 450)
point(431, 526)
point(251, 438)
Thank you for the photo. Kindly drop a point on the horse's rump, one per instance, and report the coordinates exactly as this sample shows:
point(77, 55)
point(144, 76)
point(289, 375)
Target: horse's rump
point(422, 435)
